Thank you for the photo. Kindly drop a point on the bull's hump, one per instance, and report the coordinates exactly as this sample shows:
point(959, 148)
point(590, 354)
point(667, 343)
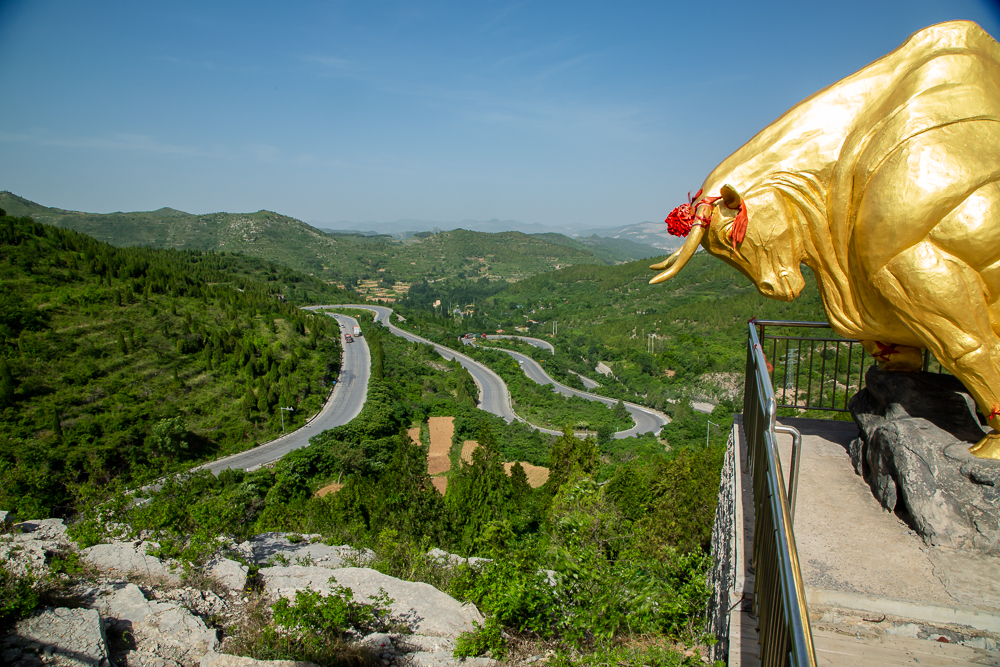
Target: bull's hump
point(811, 135)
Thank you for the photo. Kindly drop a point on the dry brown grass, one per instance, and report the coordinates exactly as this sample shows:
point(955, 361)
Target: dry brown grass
point(329, 488)
point(537, 475)
point(468, 447)
point(442, 429)
point(440, 483)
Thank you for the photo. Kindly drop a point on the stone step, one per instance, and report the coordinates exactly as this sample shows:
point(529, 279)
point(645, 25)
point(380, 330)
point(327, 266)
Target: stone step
point(834, 648)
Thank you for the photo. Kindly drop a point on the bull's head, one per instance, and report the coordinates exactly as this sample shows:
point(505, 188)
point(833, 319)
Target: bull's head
point(755, 234)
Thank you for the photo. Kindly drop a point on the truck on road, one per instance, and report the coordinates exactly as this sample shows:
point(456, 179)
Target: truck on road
point(357, 330)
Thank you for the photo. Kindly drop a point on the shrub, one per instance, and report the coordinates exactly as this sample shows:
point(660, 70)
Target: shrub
point(313, 627)
point(18, 597)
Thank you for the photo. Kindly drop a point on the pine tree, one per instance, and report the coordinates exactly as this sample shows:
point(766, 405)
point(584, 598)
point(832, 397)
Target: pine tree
point(56, 423)
point(569, 452)
point(481, 500)
point(6, 383)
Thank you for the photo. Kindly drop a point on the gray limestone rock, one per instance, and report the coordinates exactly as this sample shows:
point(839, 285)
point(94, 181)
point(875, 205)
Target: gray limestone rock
point(30, 543)
point(444, 558)
point(426, 651)
point(913, 450)
point(423, 608)
point(162, 631)
point(130, 558)
point(213, 659)
point(231, 573)
point(46, 530)
point(73, 634)
point(292, 549)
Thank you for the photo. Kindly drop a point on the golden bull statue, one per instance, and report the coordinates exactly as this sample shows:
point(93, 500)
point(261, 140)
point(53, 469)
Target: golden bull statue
point(885, 184)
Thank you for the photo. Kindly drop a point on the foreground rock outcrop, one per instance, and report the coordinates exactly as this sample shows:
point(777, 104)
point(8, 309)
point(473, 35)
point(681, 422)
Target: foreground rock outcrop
point(133, 608)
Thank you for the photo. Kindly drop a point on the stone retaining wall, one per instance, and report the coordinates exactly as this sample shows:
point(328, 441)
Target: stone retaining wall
point(722, 576)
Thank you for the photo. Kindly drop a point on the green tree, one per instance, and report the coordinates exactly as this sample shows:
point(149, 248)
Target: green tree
point(6, 383)
point(57, 423)
point(480, 496)
point(169, 436)
point(568, 454)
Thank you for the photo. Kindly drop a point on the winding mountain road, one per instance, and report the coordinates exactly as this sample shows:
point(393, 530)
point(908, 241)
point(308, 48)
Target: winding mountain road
point(646, 419)
point(494, 395)
point(344, 404)
point(348, 396)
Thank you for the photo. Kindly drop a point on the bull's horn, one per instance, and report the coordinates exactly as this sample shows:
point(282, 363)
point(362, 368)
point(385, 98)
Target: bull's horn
point(730, 197)
point(676, 262)
point(665, 264)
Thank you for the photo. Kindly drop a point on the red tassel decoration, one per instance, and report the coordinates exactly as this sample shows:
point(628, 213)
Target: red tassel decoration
point(680, 220)
point(739, 229)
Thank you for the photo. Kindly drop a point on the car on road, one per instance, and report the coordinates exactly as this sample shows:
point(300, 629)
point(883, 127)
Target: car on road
point(348, 338)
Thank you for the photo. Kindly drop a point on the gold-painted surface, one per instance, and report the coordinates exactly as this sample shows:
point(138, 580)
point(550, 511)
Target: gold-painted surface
point(887, 185)
point(899, 358)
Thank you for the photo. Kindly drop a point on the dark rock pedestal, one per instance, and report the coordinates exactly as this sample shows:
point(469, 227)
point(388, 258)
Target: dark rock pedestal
point(913, 450)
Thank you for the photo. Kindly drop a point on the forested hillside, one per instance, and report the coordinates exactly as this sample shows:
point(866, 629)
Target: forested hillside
point(342, 258)
point(127, 362)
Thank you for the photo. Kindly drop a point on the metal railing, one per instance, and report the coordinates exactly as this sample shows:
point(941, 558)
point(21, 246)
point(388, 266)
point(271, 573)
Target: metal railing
point(783, 633)
point(817, 372)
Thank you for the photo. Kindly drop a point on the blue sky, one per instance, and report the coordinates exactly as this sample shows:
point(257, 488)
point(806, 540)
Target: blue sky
point(562, 113)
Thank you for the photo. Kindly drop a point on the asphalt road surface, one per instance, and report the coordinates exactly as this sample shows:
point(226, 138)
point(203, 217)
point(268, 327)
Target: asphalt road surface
point(493, 394)
point(344, 405)
point(646, 419)
point(537, 342)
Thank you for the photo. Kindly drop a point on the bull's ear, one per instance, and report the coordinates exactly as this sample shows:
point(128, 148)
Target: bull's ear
point(730, 197)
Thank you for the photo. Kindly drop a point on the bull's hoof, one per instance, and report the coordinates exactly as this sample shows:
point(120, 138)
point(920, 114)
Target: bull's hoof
point(988, 447)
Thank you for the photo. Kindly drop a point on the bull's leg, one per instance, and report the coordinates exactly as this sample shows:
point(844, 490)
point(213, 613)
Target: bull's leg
point(944, 302)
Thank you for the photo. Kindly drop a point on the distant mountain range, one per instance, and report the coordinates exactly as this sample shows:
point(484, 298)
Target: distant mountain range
point(643, 233)
point(346, 256)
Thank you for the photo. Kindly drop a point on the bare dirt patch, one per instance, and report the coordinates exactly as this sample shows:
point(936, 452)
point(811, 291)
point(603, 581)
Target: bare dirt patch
point(468, 447)
point(441, 429)
point(333, 488)
point(537, 475)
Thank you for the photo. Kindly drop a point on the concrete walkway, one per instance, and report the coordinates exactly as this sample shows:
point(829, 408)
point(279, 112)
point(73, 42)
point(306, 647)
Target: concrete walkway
point(877, 595)
point(855, 555)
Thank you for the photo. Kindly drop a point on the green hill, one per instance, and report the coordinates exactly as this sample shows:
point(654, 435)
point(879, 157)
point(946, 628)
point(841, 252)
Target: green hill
point(127, 362)
point(339, 258)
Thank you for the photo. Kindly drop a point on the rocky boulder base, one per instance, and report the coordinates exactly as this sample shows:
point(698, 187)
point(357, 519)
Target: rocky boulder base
point(137, 609)
point(913, 450)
